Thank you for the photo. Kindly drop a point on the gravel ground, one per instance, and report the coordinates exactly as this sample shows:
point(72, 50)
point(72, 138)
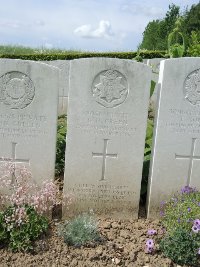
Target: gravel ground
point(123, 245)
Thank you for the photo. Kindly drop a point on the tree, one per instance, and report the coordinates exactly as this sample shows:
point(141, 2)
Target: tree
point(155, 35)
point(192, 19)
point(156, 32)
point(176, 40)
point(171, 17)
point(150, 35)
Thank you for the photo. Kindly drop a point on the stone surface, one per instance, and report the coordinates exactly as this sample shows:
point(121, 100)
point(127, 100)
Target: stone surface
point(63, 65)
point(176, 151)
point(154, 63)
point(28, 116)
point(145, 61)
point(107, 117)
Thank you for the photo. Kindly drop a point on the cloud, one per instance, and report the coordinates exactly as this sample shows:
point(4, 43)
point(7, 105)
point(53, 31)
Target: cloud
point(40, 22)
point(106, 24)
point(103, 30)
point(10, 24)
point(143, 9)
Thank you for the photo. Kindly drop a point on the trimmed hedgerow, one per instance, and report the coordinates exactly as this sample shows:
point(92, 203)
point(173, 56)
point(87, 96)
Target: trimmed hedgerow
point(76, 55)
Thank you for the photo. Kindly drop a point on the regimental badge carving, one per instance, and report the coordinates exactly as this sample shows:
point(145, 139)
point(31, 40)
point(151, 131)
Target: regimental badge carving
point(192, 87)
point(16, 90)
point(110, 88)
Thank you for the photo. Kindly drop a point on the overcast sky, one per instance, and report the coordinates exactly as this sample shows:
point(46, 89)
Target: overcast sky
point(94, 25)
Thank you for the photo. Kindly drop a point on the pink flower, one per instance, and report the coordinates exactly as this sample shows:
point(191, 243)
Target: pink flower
point(151, 232)
point(149, 246)
point(197, 223)
point(26, 192)
point(150, 243)
point(195, 229)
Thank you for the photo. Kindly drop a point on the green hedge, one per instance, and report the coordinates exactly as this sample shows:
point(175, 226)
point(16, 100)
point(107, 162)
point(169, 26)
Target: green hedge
point(75, 55)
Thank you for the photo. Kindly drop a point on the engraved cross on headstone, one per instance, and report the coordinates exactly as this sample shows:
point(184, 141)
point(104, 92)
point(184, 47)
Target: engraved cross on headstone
point(104, 155)
point(191, 157)
point(14, 160)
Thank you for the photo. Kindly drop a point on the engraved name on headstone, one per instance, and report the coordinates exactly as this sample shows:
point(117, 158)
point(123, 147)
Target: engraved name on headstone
point(107, 117)
point(176, 153)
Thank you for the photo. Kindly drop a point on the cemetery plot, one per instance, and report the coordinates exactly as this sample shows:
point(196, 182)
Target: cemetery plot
point(176, 152)
point(106, 132)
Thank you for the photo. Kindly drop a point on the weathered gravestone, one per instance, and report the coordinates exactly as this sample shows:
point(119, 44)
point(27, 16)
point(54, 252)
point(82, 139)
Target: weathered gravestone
point(154, 63)
point(176, 152)
point(28, 116)
point(107, 117)
point(145, 61)
point(63, 65)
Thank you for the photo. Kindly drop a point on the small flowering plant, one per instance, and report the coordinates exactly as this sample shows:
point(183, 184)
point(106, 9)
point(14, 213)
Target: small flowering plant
point(149, 248)
point(24, 207)
point(196, 226)
point(151, 232)
point(150, 243)
point(181, 219)
point(182, 246)
point(80, 230)
point(182, 209)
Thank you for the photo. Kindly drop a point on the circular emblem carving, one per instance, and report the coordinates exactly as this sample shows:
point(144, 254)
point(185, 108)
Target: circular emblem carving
point(16, 90)
point(192, 87)
point(110, 88)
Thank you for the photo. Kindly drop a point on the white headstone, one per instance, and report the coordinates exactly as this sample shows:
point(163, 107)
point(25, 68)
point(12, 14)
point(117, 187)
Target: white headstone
point(145, 60)
point(28, 116)
point(154, 63)
point(63, 65)
point(176, 152)
point(107, 117)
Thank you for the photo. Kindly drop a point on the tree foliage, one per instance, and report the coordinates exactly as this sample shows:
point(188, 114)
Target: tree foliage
point(155, 35)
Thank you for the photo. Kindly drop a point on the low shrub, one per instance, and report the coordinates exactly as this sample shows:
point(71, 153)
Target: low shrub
point(180, 218)
point(181, 228)
point(24, 207)
point(182, 209)
point(20, 226)
point(80, 231)
point(138, 58)
point(182, 246)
